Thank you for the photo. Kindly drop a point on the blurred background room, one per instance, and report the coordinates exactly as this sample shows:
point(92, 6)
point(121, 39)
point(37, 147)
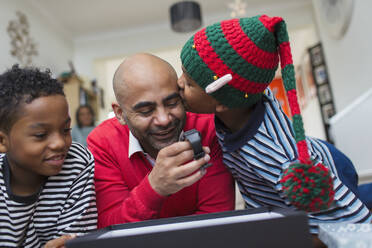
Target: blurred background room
point(83, 42)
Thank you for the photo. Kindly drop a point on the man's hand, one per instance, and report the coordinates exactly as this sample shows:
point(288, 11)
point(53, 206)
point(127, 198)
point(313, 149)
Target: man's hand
point(317, 243)
point(170, 174)
point(59, 242)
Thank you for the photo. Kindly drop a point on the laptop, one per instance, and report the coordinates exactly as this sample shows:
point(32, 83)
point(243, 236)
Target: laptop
point(261, 227)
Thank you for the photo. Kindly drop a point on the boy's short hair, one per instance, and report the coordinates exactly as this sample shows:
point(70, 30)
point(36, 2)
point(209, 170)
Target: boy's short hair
point(23, 85)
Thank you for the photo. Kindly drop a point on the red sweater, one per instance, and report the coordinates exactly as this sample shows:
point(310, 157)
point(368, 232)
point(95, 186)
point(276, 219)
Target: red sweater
point(124, 193)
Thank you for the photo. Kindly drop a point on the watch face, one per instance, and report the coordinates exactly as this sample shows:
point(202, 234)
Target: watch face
point(336, 16)
point(194, 137)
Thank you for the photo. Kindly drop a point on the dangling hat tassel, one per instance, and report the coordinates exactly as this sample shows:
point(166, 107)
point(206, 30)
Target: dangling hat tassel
point(307, 186)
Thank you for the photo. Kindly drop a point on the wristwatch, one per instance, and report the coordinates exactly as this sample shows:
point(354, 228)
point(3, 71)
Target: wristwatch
point(194, 137)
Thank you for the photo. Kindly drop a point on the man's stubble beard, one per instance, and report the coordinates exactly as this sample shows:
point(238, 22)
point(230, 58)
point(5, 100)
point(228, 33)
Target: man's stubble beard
point(146, 140)
point(178, 124)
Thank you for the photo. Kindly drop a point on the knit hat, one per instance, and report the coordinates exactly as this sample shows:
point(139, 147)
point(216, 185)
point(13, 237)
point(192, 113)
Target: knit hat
point(235, 61)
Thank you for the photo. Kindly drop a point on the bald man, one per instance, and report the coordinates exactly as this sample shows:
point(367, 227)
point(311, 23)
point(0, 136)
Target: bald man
point(142, 170)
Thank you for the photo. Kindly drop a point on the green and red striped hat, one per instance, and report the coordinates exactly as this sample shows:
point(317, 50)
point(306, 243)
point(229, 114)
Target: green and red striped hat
point(249, 49)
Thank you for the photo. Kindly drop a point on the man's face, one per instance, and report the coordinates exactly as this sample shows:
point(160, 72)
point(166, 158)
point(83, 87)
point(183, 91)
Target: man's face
point(154, 113)
point(39, 140)
point(195, 98)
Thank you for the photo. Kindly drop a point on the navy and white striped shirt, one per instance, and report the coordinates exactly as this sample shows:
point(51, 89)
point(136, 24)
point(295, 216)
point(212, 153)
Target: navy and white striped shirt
point(258, 154)
point(65, 205)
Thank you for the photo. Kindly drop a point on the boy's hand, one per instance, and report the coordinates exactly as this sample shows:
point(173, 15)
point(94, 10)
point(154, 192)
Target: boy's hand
point(59, 242)
point(170, 174)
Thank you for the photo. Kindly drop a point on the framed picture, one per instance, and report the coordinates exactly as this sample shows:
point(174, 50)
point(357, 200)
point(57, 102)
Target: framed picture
point(328, 111)
point(322, 85)
point(324, 94)
point(316, 55)
point(320, 75)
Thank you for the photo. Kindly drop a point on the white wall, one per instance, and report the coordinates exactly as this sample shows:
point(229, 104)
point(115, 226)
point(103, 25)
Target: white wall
point(160, 37)
point(121, 44)
point(349, 58)
point(349, 67)
point(54, 46)
point(357, 142)
point(105, 69)
point(301, 40)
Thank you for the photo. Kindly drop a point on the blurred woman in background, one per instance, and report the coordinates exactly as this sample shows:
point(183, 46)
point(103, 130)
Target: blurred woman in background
point(85, 124)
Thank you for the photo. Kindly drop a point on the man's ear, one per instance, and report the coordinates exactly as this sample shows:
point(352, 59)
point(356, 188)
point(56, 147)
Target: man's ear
point(4, 142)
point(221, 108)
point(118, 112)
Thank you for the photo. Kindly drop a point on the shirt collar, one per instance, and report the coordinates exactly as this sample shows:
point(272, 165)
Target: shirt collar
point(134, 145)
point(20, 199)
point(233, 141)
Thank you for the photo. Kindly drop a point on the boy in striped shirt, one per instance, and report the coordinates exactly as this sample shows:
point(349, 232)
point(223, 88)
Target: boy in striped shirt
point(46, 183)
point(227, 67)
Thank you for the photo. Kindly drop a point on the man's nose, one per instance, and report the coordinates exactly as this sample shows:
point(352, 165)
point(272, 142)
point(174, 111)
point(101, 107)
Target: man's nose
point(163, 117)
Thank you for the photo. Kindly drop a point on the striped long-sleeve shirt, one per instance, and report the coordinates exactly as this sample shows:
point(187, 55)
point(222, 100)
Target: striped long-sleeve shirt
point(65, 205)
point(258, 154)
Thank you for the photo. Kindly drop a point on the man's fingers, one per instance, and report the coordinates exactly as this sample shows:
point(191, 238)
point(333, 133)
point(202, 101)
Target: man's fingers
point(184, 156)
point(175, 148)
point(178, 147)
point(184, 153)
point(191, 179)
point(181, 152)
point(189, 168)
point(206, 149)
point(59, 242)
point(173, 164)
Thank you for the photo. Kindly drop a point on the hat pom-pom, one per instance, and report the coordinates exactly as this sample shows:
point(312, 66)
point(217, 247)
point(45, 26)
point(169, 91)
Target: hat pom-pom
point(308, 188)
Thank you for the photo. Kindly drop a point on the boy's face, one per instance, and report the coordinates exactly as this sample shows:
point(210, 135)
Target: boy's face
point(38, 142)
point(195, 98)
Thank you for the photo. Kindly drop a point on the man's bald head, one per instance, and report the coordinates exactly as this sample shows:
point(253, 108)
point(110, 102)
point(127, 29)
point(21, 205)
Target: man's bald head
point(148, 101)
point(137, 69)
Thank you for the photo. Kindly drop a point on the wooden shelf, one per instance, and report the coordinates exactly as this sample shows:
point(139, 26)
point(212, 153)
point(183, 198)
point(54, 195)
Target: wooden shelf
point(77, 94)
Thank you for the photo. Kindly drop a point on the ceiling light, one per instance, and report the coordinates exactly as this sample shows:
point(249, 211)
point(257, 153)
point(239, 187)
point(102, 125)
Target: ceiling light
point(185, 16)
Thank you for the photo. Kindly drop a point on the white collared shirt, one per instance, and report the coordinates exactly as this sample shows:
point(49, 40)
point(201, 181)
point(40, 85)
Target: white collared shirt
point(135, 146)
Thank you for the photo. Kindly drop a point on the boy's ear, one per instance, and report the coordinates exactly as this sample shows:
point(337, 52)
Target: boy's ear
point(118, 112)
point(4, 142)
point(221, 108)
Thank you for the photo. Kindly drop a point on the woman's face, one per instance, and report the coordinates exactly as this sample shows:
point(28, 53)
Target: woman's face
point(85, 117)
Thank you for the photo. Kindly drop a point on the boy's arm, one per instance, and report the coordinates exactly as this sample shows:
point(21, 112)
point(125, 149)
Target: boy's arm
point(79, 213)
point(216, 189)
